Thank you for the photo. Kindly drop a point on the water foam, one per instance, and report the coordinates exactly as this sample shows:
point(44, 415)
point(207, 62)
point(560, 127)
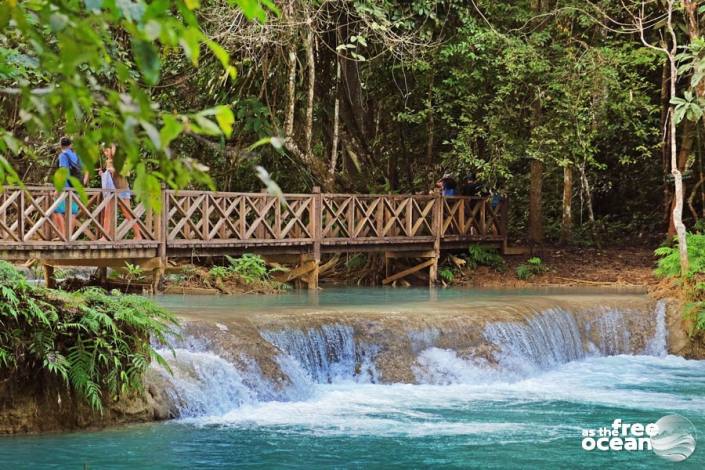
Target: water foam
point(202, 383)
point(350, 409)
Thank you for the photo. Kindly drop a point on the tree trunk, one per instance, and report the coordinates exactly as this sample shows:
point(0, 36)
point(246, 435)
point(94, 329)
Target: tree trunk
point(311, 62)
point(681, 161)
point(291, 94)
point(535, 203)
point(585, 184)
point(665, 149)
point(430, 124)
point(336, 124)
point(567, 219)
point(677, 175)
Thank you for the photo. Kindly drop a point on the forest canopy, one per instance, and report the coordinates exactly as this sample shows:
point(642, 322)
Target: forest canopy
point(558, 105)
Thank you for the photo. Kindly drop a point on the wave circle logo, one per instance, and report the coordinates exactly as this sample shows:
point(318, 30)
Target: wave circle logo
point(674, 439)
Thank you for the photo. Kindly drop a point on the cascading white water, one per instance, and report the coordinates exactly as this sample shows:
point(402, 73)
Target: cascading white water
point(556, 337)
point(202, 383)
point(658, 346)
point(206, 384)
point(328, 353)
point(543, 341)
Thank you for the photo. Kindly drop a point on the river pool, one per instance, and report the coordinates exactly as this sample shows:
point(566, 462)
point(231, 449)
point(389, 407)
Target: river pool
point(463, 415)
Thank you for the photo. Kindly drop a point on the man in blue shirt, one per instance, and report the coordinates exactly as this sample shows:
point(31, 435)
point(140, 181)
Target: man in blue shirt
point(69, 160)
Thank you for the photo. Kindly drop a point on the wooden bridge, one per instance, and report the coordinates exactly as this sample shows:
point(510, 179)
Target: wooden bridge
point(106, 230)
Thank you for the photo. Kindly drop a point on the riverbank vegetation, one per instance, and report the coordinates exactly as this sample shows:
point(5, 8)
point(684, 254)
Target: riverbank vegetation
point(244, 274)
point(690, 284)
point(91, 344)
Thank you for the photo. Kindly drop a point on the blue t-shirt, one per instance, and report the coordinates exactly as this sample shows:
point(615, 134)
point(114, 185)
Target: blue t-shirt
point(68, 159)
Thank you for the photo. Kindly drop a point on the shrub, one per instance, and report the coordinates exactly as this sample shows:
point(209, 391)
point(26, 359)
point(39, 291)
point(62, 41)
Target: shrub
point(531, 268)
point(95, 342)
point(669, 263)
point(447, 274)
point(693, 282)
point(249, 267)
point(219, 272)
point(481, 256)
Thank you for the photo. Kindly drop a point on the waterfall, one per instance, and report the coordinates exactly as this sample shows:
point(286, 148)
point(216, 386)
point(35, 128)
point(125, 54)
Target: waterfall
point(556, 336)
point(204, 383)
point(329, 353)
point(543, 341)
point(658, 346)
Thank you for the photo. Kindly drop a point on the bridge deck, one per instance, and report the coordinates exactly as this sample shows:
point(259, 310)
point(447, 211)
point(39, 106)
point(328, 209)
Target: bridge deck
point(203, 223)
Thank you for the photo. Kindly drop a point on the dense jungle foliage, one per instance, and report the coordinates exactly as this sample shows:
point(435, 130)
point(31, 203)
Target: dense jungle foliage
point(96, 344)
point(557, 104)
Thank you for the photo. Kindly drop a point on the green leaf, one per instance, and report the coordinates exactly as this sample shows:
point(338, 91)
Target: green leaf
point(218, 51)
point(253, 8)
point(147, 58)
point(191, 44)
point(147, 187)
point(153, 134)
point(192, 4)
point(170, 130)
point(80, 190)
point(60, 177)
point(224, 116)
point(206, 126)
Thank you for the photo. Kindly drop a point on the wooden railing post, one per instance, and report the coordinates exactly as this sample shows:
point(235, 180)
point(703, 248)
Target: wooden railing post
point(437, 234)
point(20, 216)
point(205, 218)
point(317, 229)
point(163, 228)
point(351, 217)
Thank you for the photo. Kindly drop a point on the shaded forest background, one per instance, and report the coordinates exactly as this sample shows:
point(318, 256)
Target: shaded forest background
point(555, 104)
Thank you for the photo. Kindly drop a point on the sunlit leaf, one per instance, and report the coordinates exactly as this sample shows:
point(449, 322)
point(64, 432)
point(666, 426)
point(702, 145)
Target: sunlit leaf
point(225, 118)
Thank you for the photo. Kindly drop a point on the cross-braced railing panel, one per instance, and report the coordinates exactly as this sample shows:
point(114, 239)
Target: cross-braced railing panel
point(471, 217)
point(376, 217)
point(201, 216)
point(39, 214)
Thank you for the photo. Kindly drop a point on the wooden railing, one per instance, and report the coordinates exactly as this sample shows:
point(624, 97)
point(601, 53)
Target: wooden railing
point(356, 217)
point(38, 215)
point(472, 217)
point(225, 217)
point(32, 216)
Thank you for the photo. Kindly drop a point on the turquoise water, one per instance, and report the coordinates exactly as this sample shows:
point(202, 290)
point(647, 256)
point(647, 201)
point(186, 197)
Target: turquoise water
point(475, 418)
